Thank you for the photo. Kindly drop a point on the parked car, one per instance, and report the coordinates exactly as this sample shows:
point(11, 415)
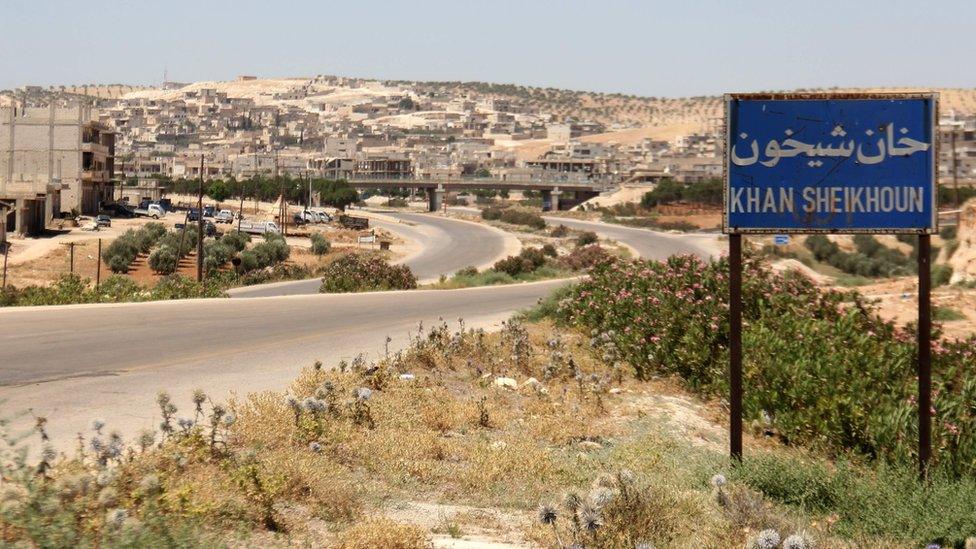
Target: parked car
point(323, 216)
point(298, 219)
point(209, 211)
point(103, 221)
point(193, 214)
point(260, 227)
point(224, 216)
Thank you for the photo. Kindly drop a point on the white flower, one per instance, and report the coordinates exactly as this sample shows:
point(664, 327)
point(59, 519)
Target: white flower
point(363, 393)
point(230, 419)
point(116, 517)
point(767, 539)
point(718, 481)
point(797, 541)
point(315, 447)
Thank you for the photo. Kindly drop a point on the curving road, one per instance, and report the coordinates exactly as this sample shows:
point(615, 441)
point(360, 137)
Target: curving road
point(75, 363)
point(646, 243)
point(447, 245)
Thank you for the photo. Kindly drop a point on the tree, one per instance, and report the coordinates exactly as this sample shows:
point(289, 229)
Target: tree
point(218, 191)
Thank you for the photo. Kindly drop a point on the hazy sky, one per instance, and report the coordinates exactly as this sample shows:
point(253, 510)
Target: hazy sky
point(674, 48)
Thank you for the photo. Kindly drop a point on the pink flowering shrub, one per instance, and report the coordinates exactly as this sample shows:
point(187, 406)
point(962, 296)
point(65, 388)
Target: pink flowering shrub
point(820, 367)
point(357, 272)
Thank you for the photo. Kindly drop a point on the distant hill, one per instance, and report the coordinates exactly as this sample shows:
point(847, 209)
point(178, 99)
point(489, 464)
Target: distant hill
point(654, 116)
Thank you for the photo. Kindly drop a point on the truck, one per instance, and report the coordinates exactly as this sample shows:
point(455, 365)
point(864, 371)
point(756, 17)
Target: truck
point(352, 222)
point(259, 227)
point(154, 211)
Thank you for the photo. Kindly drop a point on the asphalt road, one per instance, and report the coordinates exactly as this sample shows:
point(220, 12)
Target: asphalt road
point(75, 363)
point(447, 245)
point(646, 243)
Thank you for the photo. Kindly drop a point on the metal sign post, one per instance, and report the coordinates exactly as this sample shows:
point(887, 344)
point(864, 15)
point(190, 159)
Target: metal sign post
point(837, 164)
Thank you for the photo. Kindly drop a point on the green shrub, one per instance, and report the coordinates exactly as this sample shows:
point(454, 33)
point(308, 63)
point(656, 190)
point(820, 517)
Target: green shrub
point(941, 274)
point(357, 272)
point(820, 371)
point(467, 271)
point(181, 287)
point(236, 240)
point(522, 217)
point(549, 250)
point(948, 232)
point(164, 260)
point(872, 258)
point(271, 252)
point(586, 238)
point(888, 502)
point(119, 288)
point(320, 244)
point(249, 261)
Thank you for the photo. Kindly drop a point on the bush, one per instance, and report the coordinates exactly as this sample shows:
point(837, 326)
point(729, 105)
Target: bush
point(523, 217)
point(559, 231)
point(586, 257)
point(164, 260)
point(491, 214)
point(941, 274)
point(467, 271)
point(527, 261)
point(587, 238)
point(119, 288)
point(889, 502)
point(236, 240)
point(872, 258)
point(357, 272)
point(512, 265)
point(271, 252)
point(821, 371)
point(549, 250)
point(320, 245)
point(249, 262)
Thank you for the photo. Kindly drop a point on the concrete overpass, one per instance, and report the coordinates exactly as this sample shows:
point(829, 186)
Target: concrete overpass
point(551, 187)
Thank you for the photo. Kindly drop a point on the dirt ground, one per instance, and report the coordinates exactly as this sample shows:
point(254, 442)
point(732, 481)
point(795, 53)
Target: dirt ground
point(897, 300)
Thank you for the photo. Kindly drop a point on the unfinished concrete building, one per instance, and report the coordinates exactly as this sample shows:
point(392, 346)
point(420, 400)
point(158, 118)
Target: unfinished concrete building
point(54, 161)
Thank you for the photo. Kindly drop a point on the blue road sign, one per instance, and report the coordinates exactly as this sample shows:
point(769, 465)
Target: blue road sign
point(808, 163)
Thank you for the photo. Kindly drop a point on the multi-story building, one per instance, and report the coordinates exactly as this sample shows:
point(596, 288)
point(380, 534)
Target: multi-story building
point(54, 161)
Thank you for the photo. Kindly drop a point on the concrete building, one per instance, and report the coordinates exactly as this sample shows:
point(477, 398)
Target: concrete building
point(54, 161)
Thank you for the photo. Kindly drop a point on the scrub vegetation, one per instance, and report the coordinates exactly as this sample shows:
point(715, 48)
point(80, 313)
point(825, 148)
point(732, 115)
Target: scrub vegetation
point(546, 428)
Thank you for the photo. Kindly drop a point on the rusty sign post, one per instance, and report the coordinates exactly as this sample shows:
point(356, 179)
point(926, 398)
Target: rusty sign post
point(834, 164)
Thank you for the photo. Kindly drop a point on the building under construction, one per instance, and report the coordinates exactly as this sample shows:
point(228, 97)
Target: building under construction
point(55, 161)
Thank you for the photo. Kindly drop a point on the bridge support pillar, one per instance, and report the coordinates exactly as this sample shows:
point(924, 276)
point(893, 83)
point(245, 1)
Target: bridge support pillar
point(435, 198)
point(550, 200)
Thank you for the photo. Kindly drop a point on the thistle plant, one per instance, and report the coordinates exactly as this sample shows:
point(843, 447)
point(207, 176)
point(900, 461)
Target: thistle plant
point(199, 397)
point(547, 515)
point(767, 539)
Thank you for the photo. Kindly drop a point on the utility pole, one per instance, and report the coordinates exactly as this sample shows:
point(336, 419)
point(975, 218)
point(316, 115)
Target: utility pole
point(98, 266)
point(6, 251)
point(240, 212)
point(200, 226)
point(955, 177)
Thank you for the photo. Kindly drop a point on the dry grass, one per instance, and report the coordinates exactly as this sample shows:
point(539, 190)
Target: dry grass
point(321, 464)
